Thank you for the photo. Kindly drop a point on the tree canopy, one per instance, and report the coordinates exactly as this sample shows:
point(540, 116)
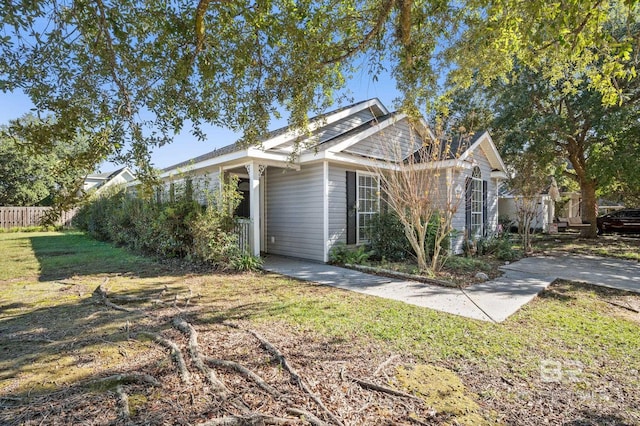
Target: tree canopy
point(46, 174)
point(132, 73)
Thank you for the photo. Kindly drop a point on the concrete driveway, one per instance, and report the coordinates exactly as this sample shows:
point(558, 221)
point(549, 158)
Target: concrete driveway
point(493, 300)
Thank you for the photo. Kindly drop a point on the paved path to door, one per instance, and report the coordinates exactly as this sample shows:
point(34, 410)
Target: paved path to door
point(493, 300)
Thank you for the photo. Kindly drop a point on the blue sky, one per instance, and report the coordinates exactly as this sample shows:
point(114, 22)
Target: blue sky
point(185, 146)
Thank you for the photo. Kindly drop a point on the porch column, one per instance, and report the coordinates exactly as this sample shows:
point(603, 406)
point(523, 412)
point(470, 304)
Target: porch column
point(255, 171)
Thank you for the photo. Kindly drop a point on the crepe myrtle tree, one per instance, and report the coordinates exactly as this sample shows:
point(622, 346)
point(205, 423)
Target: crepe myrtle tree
point(134, 73)
point(421, 192)
point(527, 180)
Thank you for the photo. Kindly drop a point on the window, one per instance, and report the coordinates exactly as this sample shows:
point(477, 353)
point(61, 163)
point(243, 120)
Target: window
point(368, 204)
point(476, 203)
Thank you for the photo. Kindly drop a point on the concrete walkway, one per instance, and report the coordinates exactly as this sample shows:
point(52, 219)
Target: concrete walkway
point(493, 300)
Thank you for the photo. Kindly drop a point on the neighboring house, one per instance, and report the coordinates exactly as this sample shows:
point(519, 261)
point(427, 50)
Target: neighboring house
point(99, 181)
point(545, 213)
point(301, 204)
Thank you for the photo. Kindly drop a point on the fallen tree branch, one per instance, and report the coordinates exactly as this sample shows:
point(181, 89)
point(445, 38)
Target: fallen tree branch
point(294, 375)
point(620, 305)
point(313, 420)
point(385, 364)
point(176, 353)
point(102, 293)
point(198, 360)
point(124, 402)
point(230, 365)
point(253, 420)
point(375, 387)
point(129, 378)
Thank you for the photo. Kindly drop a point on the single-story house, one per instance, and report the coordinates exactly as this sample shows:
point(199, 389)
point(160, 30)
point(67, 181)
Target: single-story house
point(99, 181)
point(301, 203)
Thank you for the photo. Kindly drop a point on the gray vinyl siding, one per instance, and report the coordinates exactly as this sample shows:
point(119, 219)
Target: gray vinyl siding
point(294, 212)
point(398, 138)
point(492, 201)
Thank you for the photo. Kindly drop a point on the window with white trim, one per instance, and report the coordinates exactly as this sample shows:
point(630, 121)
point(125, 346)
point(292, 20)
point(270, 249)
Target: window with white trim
point(476, 202)
point(368, 204)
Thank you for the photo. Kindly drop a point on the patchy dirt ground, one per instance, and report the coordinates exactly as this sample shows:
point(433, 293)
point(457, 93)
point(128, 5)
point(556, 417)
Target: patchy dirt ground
point(144, 385)
point(272, 351)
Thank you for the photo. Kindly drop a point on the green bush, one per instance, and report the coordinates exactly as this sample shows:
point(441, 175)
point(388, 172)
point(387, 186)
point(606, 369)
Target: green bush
point(342, 254)
point(387, 238)
point(501, 247)
point(180, 228)
point(466, 264)
point(246, 262)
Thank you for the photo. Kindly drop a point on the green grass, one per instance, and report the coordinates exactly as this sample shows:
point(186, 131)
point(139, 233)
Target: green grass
point(569, 323)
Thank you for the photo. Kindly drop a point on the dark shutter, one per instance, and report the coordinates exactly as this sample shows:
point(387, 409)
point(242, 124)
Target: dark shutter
point(467, 206)
point(485, 216)
point(351, 207)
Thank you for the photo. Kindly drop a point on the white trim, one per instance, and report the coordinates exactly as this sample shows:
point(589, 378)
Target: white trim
point(493, 154)
point(263, 210)
point(377, 178)
point(325, 209)
point(254, 203)
point(331, 118)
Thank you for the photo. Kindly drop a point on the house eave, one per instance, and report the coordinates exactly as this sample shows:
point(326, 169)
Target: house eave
point(331, 118)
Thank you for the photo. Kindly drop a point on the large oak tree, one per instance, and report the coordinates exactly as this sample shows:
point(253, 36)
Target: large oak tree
point(134, 72)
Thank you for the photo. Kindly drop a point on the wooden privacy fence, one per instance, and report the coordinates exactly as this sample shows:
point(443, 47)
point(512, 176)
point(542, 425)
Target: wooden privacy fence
point(12, 217)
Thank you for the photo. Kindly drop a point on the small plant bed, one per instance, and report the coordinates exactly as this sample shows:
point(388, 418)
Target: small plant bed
point(458, 271)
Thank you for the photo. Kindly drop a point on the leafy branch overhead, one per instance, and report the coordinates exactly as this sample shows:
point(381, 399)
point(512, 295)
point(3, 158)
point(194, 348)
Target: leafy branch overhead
point(134, 73)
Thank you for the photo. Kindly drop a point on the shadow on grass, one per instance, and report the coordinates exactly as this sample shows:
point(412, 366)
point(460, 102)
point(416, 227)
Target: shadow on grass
point(565, 291)
point(62, 256)
point(592, 418)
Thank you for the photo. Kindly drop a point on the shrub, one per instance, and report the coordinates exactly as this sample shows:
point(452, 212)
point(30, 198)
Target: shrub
point(180, 228)
point(466, 264)
point(342, 254)
point(246, 262)
point(499, 246)
point(387, 238)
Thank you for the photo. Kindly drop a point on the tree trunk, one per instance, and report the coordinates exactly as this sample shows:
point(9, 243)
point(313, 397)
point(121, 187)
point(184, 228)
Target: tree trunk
point(589, 207)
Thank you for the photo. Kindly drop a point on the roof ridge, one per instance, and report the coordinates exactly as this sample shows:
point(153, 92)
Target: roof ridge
point(269, 135)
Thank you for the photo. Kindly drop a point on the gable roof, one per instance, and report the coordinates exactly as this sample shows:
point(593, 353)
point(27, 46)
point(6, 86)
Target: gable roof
point(354, 133)
point(288, 134)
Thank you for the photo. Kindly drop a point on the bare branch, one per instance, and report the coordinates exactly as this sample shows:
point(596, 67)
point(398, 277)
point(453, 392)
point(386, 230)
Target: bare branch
point(176, 353)
point(294, 374)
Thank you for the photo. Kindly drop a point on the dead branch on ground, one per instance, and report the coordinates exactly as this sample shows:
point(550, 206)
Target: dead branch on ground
point(102, 293)
point(124, 402)
point(176, 353)
point(375, 387)
point(253, 420)
point(230, 365)
point(141, 378)
point(197, 358)
point(294, 375)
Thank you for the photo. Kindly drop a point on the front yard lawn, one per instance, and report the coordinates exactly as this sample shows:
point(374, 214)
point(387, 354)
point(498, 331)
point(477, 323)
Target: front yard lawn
point(69, 354)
